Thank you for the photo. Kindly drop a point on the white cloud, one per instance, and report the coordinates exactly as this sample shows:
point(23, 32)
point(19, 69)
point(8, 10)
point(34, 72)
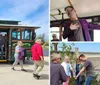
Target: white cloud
point(20, 9)
point(42, 21)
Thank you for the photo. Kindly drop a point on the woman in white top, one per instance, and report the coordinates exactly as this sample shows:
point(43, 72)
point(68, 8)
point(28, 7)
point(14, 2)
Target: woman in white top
point(17, 50)
point(68, 69)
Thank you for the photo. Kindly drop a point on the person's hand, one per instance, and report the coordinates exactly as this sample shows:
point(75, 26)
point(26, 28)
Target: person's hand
point(42, 58)
point(74, 26)
point(75, 77)
point(2, 45)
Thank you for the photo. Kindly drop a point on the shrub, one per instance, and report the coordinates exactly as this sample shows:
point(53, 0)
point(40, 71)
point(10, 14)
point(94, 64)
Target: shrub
point(94, 82)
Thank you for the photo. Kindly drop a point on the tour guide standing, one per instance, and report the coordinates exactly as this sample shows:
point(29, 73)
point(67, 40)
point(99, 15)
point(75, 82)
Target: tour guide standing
point(37, 57)
point(77, 29)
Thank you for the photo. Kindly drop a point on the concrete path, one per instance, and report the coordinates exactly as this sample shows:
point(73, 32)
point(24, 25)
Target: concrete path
point(10, 77)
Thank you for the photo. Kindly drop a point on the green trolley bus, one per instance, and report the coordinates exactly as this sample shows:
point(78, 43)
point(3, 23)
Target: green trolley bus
point(12, 32)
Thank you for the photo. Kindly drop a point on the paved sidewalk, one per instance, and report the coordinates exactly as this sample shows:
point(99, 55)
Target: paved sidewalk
point(10, 77)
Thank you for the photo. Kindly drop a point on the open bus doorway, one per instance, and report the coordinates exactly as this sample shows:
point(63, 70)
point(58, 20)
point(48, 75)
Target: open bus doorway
point(5, 35)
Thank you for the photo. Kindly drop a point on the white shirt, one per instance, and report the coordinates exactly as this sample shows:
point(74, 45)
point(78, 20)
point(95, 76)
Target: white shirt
point(67, 67)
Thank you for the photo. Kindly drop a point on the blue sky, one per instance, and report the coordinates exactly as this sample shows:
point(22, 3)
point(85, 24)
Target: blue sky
point(85, 47)
point(30, 12)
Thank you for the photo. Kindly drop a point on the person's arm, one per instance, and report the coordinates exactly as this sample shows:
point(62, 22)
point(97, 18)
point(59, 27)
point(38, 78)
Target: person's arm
point(94, 26)
point(17, 49)
point(71, 69)
point(62, 74)
point(86, 64)
point(67, 32)
point(40, 52)
point(81, 71)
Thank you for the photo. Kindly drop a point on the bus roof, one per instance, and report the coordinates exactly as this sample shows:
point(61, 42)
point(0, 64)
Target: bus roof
point(12, 22)
point(17, 26)
point(9, 21)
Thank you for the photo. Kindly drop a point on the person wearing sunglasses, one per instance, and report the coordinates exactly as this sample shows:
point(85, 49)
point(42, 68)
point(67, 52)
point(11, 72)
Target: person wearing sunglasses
point(77, 29)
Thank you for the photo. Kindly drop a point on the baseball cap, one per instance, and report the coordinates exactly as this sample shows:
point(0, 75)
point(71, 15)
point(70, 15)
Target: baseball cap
point(55, 56)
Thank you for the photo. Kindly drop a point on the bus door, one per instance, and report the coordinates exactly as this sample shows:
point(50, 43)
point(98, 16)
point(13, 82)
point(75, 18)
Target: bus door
point(4, 40)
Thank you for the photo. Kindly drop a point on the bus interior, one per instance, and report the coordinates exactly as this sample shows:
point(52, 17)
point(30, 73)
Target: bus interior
point(85, 9)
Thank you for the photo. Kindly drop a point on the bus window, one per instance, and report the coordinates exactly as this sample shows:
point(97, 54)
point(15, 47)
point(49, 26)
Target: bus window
point(15, 35)
point(33, 35)
point(27, 35)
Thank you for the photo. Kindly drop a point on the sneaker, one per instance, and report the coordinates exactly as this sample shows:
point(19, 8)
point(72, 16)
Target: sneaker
point(13, 69)
point(23, 70)
point(36, 76)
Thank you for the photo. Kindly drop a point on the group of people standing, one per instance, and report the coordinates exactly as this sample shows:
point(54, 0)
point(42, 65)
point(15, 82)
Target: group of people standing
point(60, 73)
point(37, 57)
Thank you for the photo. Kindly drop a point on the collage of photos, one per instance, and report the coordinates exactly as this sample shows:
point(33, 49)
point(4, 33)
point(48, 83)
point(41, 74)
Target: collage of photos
point(50, 42)
point(74, 42)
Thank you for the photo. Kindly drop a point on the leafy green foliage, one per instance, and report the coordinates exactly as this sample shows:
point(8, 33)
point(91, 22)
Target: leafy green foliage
point(94, 82)
point(66, 50)
point(72, 81)
point(42, 37)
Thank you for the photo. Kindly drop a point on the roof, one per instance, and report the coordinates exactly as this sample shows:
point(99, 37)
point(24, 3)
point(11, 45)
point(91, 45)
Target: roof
point(91, 52)
point(83, 8)
point(17, 26)
point(10, 21)
point(85, 52)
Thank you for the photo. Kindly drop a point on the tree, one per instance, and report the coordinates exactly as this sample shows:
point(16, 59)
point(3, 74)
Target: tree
point(42, 37)
point(66, 50)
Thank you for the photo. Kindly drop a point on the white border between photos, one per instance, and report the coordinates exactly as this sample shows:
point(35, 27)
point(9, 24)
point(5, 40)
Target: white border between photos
point(49, 44)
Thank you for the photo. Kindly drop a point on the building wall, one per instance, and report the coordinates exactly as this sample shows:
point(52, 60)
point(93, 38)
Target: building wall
point(94, 57)
point(90, 54)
